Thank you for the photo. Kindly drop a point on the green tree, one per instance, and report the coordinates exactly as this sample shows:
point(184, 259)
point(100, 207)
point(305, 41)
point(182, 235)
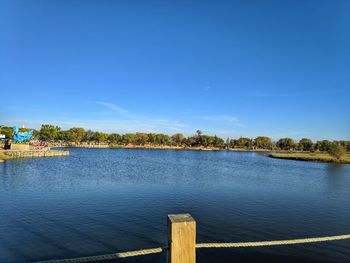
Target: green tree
point(101, 137)
point(286, 144)
point(346, 145)
point(178, 139)
point(115, 138)
point(305, 144)
point(323, 145)
point(24, 129)
point(141, 138)
point(263, 142)
point(35, 134)
point(244, 142)
point(233, 143)
point(129, 138)
point(228, 143)
point(63, 136)
point(7, 131)
point(336, 150)
point(191, 141)
point(206, 141)
point(76, 134)
point(218, 142)
point(89, 136)
point(162, 139)
point(49, 132)
point(199, 137)
point(152, 138)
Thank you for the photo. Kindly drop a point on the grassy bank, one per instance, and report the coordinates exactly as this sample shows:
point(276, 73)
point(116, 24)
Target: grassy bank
point(312, 157)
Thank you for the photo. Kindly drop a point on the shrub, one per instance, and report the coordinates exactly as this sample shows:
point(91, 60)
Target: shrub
point(336, 150)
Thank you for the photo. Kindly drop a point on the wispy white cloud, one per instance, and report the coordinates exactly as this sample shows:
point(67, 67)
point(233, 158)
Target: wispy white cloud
point(131, 122)
point(110, 117)
point(112, 106)
point(276, 95)
point(207, 88)
point(107, 125)
point(225, 120)
point(290, 134)
point(186, 111)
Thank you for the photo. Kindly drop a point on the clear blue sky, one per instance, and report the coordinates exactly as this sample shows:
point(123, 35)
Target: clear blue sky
point(231, 68)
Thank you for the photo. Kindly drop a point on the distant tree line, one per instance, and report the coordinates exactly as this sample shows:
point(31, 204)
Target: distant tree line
point(51, 133)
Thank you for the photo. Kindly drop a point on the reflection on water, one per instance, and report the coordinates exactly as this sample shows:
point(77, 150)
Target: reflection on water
point(336, 175)
point(99, 201)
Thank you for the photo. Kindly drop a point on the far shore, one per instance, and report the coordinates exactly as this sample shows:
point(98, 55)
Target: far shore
point(280, 154)
point(11, 154)
point(157, 147)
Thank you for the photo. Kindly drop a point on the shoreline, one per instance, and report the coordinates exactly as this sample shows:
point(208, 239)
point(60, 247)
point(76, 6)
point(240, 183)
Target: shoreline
point(311, 157)
point(51, 151)
point(16, 154)
point(152, 147)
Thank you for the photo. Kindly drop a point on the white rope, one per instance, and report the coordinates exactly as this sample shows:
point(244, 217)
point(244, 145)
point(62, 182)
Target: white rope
point(127, 254)
point(201, 245)
point(273, 243)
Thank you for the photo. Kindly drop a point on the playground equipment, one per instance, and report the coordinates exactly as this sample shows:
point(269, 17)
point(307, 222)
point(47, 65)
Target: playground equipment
point(21, 136)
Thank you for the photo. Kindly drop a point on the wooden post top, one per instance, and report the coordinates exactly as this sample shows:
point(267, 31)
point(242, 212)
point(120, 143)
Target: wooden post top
point(181, 239)
point(180, 218)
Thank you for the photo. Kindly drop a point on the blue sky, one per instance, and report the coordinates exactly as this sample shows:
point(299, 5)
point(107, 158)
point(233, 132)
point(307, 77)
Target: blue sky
point(231, 68)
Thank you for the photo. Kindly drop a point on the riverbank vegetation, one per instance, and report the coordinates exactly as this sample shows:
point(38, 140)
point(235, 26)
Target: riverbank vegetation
point(313, 157)
point(79, 136)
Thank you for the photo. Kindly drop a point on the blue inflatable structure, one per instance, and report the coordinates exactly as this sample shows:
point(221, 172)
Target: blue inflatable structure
point(21, 136)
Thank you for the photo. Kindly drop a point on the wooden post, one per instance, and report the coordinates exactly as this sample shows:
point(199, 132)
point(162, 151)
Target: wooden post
point(181, 239)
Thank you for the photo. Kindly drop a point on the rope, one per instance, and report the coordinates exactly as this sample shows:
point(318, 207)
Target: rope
point(200, 245)
point(273, 243)
point(127, 254)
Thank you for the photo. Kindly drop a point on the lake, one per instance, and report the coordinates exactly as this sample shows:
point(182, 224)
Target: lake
point(100, 201)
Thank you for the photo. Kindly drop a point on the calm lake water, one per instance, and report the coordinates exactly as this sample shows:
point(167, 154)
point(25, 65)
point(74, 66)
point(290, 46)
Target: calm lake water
point(100, 201)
